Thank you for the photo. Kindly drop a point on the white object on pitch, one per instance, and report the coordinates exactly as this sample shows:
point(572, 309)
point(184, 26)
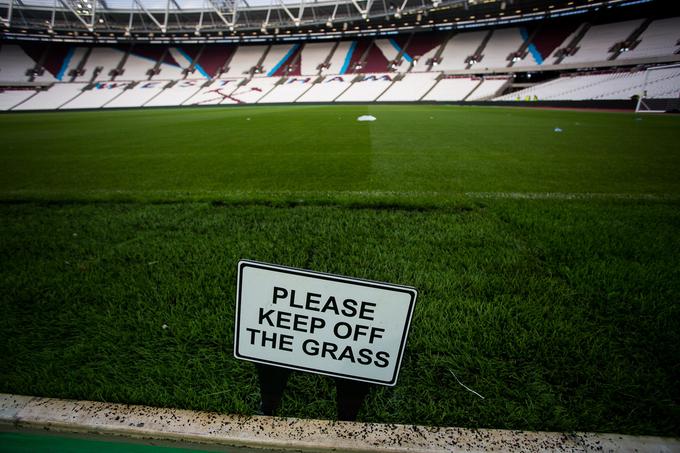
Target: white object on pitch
point(366, 118)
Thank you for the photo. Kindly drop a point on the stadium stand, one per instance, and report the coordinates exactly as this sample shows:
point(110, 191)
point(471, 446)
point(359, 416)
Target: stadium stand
point(664, 83)
point(49, 59)
point(452, 88)
point(366, 88)
point(568, 45)
point(244, 60)
point(171, 66)
point(364, 58)
point(460, 48)
point(251, 91)
point(314, 55)
point(338, 62)
point(501, 45)
point(289, 90)
point(214, 93)
point(277, 57)
point(97, 63)
point(423, 48)
point(597, 43)
point(596, 57)
point(137, 94)
point(53, 98)
point(411, 88)
point(213, 58)
point(655, 42)
point(96, 96)
point(327, 90)
point(489, 88)
point(186, 58)
point(175, 93)
point(542, 42)
point(562, 88)
point(11, 97)
point(140, 60)
point(14, 63)
point(396, 58)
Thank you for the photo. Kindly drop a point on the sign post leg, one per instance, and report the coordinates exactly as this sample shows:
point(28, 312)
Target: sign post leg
point(350, 396)
point(273, 381)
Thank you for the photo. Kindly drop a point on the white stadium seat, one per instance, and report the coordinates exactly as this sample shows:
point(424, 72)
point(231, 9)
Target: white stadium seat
point(53, 98)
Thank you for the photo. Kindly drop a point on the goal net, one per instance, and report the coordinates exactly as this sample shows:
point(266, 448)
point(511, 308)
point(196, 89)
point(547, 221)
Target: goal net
point(660, 91)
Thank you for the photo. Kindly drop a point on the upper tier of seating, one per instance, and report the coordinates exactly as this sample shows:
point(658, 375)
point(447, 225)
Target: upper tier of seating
point(562, 43)
point(403, 68)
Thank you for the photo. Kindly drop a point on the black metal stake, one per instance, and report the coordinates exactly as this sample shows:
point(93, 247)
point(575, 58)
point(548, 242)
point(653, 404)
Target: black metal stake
point(273, 380)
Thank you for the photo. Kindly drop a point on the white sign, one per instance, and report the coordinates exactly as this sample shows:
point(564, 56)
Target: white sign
point(321, 323)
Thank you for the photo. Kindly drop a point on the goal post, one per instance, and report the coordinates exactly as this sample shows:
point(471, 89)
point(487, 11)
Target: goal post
point(660, 91)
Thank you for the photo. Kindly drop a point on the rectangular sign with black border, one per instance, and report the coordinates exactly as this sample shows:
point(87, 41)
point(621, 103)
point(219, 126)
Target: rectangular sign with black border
point(321, 323)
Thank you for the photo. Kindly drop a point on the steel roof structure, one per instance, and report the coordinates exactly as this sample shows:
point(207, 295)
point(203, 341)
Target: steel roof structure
point(253, 20)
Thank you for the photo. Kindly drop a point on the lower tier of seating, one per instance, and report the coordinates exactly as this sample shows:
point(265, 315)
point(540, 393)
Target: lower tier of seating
point(661, 83)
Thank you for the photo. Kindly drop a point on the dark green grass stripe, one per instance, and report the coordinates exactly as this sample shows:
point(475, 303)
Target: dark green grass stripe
point(562, 314)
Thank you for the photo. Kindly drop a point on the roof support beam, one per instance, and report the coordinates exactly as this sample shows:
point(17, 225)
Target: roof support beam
point(301, 10)
point(54, 15)
point(8, 20)
point(200, 23)
point(287, 10)
point(269, 13)
point(75, 13)
point(163, 27)
point(335, 10)
point(93, 14)
point(165, 16)
point(217, 11)
point(363, 12)
point(132, 16)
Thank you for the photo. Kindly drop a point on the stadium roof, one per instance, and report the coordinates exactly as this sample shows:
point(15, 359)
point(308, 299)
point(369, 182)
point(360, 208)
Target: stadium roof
point(227, 20)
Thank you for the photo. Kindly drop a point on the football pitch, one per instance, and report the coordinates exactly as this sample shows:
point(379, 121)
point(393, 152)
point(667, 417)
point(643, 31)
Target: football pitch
point(545, 246)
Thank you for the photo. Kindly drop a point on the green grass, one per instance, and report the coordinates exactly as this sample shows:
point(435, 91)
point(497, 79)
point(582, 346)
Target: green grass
point(421, 153)
point(547, 263)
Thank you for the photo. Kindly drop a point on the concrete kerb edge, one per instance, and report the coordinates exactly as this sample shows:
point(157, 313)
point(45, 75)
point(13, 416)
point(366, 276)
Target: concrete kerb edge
point(144, 422)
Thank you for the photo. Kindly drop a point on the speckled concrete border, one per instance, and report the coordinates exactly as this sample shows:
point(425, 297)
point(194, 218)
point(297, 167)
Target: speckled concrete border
point(288, 433)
